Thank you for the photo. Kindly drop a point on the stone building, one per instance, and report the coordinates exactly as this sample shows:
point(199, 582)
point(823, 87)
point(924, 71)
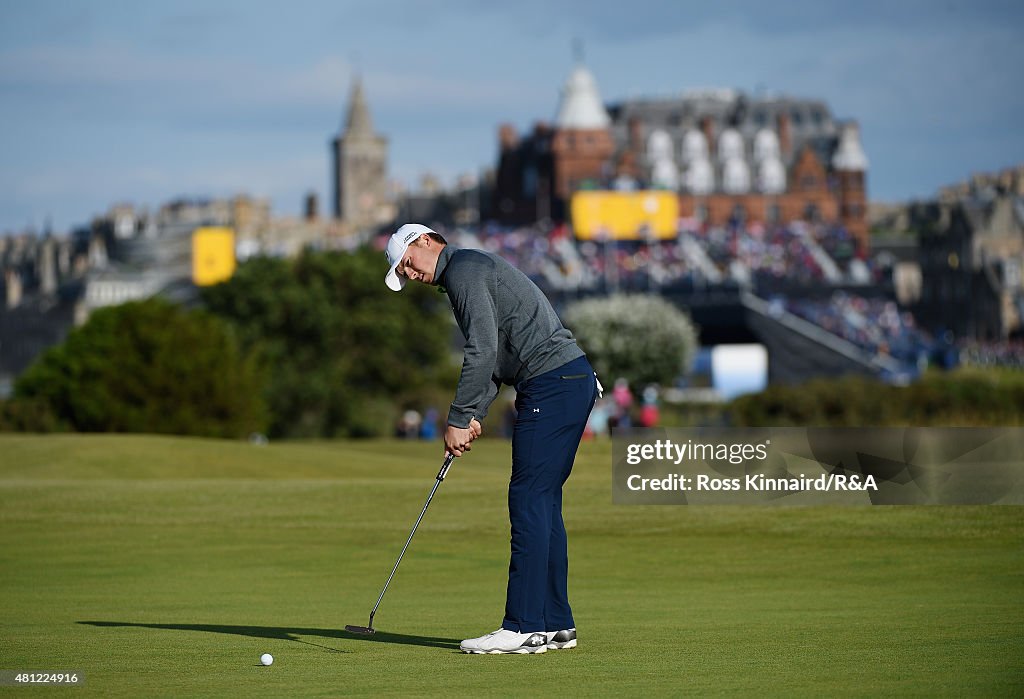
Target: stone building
point(971, 248)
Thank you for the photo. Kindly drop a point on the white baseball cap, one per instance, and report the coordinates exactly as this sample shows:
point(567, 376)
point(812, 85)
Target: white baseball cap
point(397, 246)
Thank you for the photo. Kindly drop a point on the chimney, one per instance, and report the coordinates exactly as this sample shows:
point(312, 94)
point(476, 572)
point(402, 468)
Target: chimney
point(507, 137)
point(707, 125)
point(785, 137)
point(312, 207)
point(636, 135)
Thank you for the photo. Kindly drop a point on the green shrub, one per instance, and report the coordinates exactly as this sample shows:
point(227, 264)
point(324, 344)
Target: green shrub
point(146, 366)
point(642, 338)
point(960, 398)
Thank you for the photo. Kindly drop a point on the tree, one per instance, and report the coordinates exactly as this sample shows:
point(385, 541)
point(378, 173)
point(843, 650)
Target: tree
point(343, 354)
point(642, 338)
point(148, 366)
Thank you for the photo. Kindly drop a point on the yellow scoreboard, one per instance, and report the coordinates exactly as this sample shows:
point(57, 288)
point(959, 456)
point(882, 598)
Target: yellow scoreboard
point(598, 215)
point(213, 255)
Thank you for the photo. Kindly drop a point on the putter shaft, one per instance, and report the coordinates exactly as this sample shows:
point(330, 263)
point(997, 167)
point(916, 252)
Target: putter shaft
point(440, 477)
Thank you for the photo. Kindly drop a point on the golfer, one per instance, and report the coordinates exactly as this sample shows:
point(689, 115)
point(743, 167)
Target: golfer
point(512, 337)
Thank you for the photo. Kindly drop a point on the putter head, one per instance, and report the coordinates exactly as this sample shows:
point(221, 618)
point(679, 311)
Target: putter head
point(365, 630)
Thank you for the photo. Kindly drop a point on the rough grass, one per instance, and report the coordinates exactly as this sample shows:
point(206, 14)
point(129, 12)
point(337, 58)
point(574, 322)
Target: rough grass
point(166, 566)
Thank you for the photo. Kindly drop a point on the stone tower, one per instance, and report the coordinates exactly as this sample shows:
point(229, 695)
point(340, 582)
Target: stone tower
point(360, 167)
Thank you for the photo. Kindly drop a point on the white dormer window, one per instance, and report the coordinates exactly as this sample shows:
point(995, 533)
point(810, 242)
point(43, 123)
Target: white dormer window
point(772, 176)
point(766, 145)
point(736, 176)
point(850, 156)
point(665, 175)
point(659, 146)
point(700, 179)
point(730, 145)
point(695, 147)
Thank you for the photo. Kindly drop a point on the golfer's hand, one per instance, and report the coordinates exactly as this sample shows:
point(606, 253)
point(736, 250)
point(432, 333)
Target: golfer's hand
point(457, 439)
point(476, 428)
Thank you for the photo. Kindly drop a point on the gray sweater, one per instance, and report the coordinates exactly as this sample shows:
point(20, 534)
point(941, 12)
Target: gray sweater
point(512, 333)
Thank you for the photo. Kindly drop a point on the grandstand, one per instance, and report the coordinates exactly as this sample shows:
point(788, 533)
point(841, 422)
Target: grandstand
point(801, 289)
point(796, 288)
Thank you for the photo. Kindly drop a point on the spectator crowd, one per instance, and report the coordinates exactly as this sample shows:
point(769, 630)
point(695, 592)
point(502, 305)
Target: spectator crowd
point(749, 255)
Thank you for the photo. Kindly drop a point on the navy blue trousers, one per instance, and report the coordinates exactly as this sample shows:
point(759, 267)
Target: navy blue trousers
point(552, 411)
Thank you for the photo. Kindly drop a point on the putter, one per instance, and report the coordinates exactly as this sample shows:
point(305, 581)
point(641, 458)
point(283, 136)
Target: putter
point(368, 629)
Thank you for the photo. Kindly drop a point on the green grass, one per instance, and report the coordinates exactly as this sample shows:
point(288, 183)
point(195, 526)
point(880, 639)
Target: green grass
point(165, 566)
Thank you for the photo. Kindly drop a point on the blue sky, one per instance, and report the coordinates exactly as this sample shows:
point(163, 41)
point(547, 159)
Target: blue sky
point(124, 101)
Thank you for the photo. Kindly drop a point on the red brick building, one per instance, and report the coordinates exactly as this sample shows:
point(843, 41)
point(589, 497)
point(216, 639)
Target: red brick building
point(728, 155)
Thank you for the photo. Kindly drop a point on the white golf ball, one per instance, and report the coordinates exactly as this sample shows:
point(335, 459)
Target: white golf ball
point(267, 659)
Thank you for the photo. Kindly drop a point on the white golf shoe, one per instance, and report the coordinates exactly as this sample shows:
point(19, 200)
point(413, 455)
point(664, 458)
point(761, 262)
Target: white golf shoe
point(559, 640)
point(505, 641)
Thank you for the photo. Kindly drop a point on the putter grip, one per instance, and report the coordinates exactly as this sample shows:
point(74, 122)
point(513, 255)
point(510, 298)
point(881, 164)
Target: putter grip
point(448, 459)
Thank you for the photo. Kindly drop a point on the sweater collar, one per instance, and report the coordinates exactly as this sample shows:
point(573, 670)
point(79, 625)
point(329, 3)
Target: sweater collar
point(442, 264)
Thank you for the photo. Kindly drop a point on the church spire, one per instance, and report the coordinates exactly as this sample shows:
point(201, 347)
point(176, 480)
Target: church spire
point(358, 121)
point(360, 166)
